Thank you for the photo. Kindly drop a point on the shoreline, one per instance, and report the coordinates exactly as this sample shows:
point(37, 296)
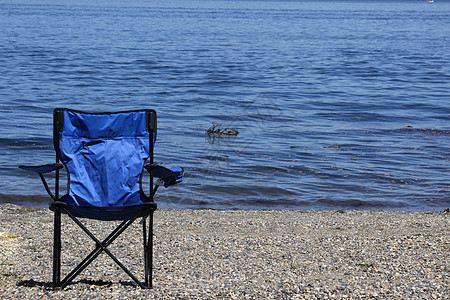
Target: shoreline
point(239, 254)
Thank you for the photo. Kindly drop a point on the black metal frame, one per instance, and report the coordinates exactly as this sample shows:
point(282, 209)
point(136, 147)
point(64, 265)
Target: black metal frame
point(101, 246)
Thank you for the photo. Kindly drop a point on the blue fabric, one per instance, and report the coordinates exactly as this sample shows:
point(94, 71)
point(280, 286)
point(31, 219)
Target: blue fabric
point(177, 178)
point(104, 154)
point(168, 176)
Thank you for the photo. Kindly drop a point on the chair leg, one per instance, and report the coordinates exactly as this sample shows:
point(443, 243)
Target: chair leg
point(148, 251)
point(57, 248)
point(144, 236)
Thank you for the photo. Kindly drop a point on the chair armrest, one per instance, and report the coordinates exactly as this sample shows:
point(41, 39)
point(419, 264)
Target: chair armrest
point(169, 176)
point(42, 168)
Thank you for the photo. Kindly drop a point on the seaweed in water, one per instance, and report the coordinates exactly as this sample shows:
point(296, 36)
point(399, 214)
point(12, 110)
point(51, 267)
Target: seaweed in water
point(218, 129)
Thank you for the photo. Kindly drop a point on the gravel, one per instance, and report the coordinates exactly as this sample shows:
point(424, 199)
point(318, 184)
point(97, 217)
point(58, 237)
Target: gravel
point(238, 254)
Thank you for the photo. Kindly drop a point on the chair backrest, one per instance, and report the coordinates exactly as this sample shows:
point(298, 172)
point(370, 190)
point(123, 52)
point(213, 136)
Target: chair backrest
point(104, 154)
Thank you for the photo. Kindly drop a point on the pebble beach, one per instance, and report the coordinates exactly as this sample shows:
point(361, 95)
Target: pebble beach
point(237, 254)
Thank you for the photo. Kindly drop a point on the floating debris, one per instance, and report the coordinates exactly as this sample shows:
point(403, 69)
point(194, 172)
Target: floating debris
point(218, 129)
point(333, 147)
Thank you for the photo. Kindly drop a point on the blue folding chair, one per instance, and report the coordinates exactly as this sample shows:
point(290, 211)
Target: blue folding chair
point(105, 155)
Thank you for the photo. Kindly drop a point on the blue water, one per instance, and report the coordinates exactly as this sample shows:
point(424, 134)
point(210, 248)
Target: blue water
point(340, 105)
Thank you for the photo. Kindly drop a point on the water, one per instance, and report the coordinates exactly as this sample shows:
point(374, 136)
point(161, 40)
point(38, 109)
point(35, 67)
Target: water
point(340, 105)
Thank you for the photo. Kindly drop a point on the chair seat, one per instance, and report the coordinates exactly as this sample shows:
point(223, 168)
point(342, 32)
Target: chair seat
point(106, 213)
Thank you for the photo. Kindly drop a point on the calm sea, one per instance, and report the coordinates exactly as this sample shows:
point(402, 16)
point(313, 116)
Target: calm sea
point(340, 105)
